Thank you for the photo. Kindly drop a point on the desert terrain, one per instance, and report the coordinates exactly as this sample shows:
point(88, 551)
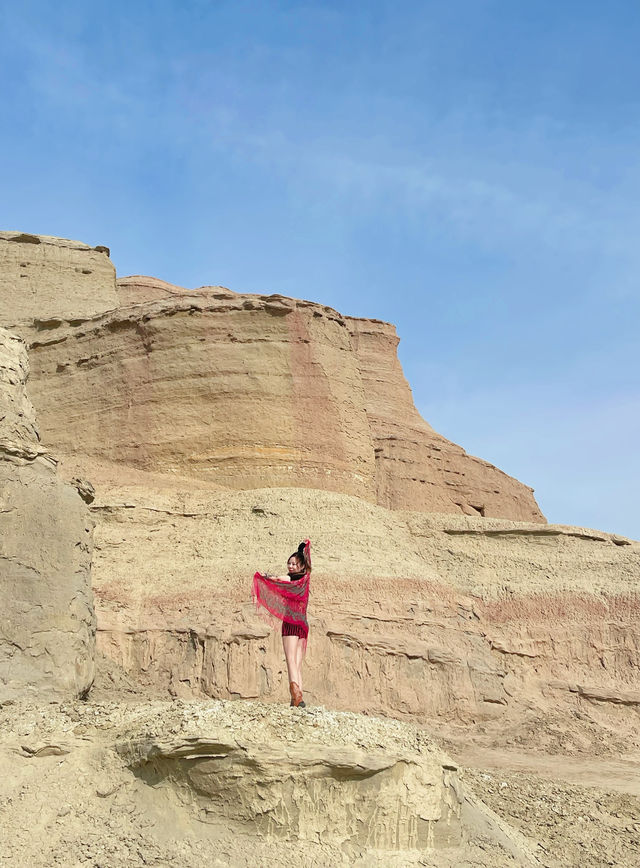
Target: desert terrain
point(472, 673)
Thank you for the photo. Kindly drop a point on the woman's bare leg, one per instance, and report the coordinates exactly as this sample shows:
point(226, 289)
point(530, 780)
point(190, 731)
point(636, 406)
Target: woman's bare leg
point(290, 645)
point(299, 658)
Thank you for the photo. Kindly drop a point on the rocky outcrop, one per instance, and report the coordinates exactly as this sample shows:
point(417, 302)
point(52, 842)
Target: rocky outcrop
point(46, 280)
point(239, 784)
point(430, 617)
point(417, 468)
point(189, 394)
point(236, 391)
point(239, 765)
point(138, 288)
point(217, 430)
point(47, 622)
point(18, 428)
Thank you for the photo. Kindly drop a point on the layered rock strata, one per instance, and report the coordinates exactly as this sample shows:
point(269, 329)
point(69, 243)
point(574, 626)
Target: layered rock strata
point(238, 391)
point(138, 288)
point(44, 280)
point(412, 615)
point(47, 622)
point(417, 468)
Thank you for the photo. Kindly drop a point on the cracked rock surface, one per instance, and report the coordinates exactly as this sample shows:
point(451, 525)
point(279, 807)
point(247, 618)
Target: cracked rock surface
point(47, 620)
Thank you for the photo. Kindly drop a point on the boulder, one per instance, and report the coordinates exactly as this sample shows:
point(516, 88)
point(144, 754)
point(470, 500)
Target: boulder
point(47, 621)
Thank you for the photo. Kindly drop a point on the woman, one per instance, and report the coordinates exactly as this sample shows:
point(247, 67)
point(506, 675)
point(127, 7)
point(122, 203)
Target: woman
point(285, 598)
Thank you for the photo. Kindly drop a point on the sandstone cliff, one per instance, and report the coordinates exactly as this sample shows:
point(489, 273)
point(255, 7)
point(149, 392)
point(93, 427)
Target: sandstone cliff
point(46, 279)
point(417, 468)
point(439, 596)
point(47, 622)
point(236, 391)
point(429, 617)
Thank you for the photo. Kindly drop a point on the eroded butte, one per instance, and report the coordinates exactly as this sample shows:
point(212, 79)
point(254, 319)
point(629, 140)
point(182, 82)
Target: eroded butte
point(205, 432)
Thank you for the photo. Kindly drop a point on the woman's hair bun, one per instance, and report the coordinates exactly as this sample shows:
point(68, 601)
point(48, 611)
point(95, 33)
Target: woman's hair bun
point(301, 549)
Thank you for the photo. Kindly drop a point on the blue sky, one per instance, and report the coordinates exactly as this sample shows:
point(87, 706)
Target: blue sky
point(467, 169)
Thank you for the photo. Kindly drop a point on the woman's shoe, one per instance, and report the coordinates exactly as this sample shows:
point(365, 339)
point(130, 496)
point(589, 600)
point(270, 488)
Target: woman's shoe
point(296, 694)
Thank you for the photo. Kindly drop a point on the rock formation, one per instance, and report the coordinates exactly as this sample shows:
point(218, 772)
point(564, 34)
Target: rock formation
point(238, 770)
point(208, 432)
point(44, 280)
point(238, 391)
point(413, 614)
point(171, 401)
point(237, 784)
point(47, 623)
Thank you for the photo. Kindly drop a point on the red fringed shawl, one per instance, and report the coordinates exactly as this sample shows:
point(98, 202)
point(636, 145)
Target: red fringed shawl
point(277, 601)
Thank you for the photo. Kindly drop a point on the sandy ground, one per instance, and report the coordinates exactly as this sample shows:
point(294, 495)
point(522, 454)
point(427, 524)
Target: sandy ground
point(587, 826)
point(65, 800)
point(68, 799)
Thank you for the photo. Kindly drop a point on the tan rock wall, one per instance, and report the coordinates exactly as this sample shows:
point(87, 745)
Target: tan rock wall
point(44, 278)
point(47, 621)
point(456, 668)
point(246, 391)
point(239, 391)
point(417, 615)
point(417, 468)
point(18, 428)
